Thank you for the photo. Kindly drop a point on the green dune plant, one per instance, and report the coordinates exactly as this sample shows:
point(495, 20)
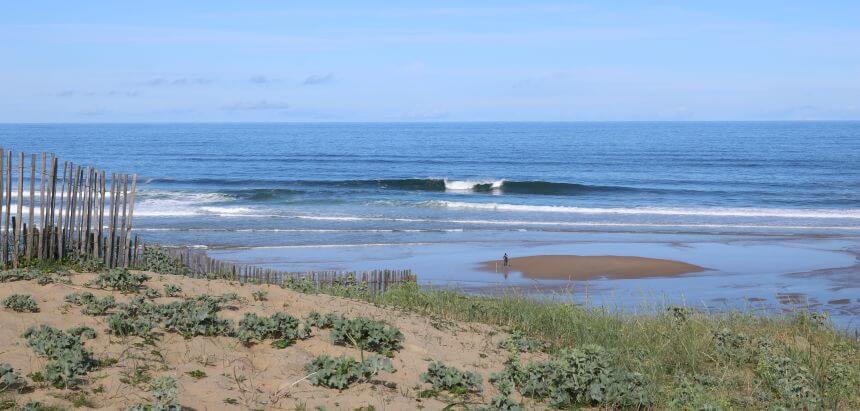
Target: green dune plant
point(367, 334)
point(157, 260)
point(172, 290)
point(444, 378)
point(22, 303)
point(68, 359)
point(119, 279)
point(10, 379)
point(341, 372)
point(283, 328)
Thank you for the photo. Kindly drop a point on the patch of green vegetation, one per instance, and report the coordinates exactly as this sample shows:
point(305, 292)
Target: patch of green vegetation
point(150, 293)
point(659, 347)
point(341, 372)
point(196, 317)
point(367, 334)
point(92, 305)
point(42, 274)
point(164, 396)
point(522, 343)
point(18, 274)
point(122, 326)
point(136, 376)
point(172, 290)
point(157, 260)
point(582, 376)
point(39, 406)
point(812, 320)
point(90, 265)
point(69, 360)
point(99, 306)
point(82, 332)
point(444, 378)
point(77, 298)
point(196, 374)
point(10, 379)
point(503, 401)
point(303, 285)
point(791, 383)
point(679, 314)
point(282, 327)
point(260, 295)
point(222, 299)
point(695, 393)
point(347, 286)
point(79, 399)
point(323, 321)
point(22, 303)
point(119, 279)
point(189, 317)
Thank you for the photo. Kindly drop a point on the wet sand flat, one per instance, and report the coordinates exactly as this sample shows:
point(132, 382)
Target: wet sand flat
point(577, 267)
point(735, 268)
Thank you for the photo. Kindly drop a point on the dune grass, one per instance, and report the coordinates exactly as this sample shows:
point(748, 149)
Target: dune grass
point(690, 359)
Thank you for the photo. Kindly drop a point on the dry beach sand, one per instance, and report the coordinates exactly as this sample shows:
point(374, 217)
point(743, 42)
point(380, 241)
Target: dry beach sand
point(576, 267)
point(255, 377)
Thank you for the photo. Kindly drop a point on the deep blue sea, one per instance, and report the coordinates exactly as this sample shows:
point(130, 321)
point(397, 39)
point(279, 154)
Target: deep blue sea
point(360, 183)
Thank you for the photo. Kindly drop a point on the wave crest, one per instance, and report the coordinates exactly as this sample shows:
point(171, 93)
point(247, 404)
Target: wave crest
point(269, 189)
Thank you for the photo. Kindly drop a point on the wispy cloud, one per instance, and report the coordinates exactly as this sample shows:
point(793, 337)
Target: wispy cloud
point(257, 105)
point(262, 79)
point(318, 79)
point(120, 93)
point(110, 93)
point(178, 81)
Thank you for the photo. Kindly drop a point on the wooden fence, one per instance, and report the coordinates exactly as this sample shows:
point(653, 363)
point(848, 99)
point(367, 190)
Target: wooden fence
point(200, 265)
point(78, 213)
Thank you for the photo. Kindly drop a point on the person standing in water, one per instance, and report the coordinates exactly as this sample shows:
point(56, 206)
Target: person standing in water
point(505, 260)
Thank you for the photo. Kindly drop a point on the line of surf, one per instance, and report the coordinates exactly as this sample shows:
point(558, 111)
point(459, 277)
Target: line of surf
point(661, 211)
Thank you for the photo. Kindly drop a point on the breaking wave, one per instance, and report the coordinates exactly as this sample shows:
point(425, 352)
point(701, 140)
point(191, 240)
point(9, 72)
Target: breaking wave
point(262, 189)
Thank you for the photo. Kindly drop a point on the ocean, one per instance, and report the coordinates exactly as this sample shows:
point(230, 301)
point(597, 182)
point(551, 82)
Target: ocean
point(771, 210)
point(368, 183)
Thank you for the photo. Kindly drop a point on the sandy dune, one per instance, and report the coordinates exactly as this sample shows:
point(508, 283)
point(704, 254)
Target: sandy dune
point(257, 377)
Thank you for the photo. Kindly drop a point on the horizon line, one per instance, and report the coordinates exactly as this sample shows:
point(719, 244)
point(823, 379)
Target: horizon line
point(8, 123)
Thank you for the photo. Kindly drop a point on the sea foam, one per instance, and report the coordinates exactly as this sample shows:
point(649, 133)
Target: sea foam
point(473, 185)
point(667, 211)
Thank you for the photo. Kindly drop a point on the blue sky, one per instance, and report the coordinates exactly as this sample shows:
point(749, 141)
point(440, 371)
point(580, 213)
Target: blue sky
point(190, 61)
